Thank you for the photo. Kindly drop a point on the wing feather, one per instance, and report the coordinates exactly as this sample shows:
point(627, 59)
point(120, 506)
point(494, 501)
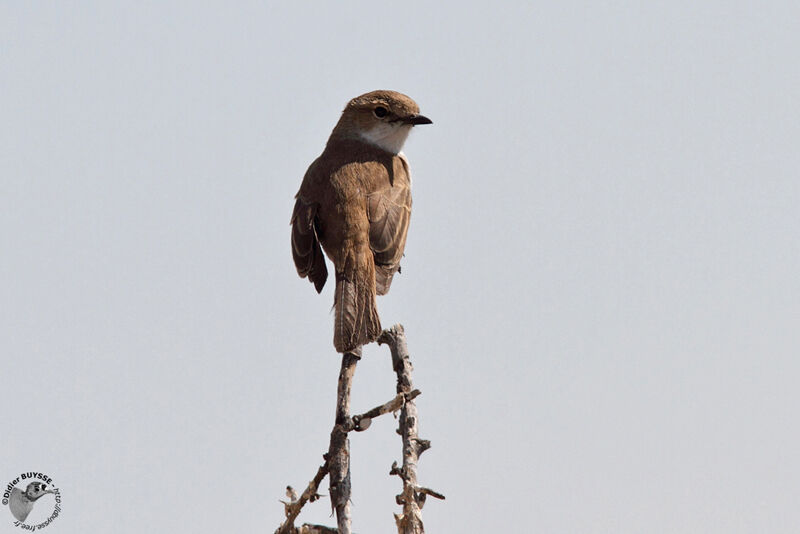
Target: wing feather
point(306, 251)
point(389, 213)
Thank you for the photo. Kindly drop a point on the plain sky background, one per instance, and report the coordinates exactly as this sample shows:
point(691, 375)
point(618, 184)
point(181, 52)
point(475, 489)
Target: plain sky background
point(601, 287)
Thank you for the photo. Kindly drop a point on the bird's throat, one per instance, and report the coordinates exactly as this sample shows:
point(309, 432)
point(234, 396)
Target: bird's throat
point(388, 137)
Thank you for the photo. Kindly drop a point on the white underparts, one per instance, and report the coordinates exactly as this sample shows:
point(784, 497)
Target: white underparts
point(388, 136)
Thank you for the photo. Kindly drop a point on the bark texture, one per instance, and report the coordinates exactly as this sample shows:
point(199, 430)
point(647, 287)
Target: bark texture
point(412, 498)
point(339, 453)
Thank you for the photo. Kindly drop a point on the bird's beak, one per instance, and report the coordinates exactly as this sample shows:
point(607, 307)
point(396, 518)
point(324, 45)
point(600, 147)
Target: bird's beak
point(417, 119)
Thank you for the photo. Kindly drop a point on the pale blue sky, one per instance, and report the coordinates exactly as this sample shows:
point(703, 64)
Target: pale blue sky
point(600, 288)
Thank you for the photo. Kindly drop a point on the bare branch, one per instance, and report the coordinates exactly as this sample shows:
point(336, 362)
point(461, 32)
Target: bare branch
point(428, 491)
point(339, 452)
point(337, 459)
point(361, 422)
point(410, 521)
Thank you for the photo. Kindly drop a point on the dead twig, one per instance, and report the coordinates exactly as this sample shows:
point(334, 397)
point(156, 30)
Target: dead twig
point(361, 422)
point(412, 497)
point(339, 452)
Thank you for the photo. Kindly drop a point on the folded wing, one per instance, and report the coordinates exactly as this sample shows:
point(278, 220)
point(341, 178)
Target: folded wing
point(306, 251)
point(389, 212)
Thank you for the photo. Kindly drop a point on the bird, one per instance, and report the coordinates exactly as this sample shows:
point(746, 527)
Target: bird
point(21, 502)
point(355, 204)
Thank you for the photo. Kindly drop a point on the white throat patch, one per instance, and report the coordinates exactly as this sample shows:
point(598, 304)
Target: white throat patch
point(389, 137)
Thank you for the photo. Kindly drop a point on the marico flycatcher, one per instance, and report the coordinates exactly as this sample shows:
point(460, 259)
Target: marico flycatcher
point(355, 201)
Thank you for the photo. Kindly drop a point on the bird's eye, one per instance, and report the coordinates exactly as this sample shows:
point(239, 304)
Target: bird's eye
point(380, 112)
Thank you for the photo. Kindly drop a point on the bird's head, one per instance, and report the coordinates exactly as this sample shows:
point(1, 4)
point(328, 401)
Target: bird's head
point(381, 118)
point(36, 490)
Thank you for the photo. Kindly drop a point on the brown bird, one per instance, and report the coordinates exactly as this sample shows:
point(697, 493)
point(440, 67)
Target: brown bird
point(355, 202)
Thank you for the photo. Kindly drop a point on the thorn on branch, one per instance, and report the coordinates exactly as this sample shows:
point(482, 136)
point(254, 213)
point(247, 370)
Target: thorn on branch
point(394, 470)
point(428, 491)
point(399, 471)
point(422, 445)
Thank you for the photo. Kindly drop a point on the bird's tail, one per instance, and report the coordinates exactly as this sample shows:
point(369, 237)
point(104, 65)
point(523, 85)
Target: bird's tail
point(356, 315)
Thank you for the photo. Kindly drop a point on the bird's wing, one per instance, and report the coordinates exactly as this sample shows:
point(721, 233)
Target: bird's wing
point(389, 212)
point(306, 250)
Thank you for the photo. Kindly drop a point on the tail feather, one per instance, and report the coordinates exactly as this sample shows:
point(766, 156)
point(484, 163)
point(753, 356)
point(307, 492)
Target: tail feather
point(356, 320)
